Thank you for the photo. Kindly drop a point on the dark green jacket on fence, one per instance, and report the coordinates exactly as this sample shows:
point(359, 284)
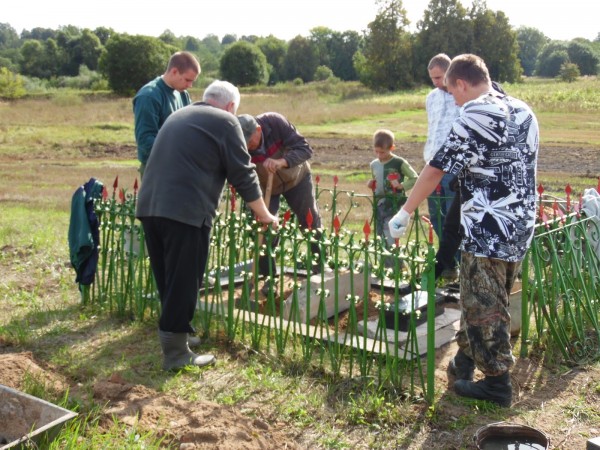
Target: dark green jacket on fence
point(84, 231)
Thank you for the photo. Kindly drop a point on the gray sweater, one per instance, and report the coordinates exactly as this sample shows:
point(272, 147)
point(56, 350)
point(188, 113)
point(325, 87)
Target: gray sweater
point(197, 149)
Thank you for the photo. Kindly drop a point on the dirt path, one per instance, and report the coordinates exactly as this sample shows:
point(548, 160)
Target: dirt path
point(357, 153)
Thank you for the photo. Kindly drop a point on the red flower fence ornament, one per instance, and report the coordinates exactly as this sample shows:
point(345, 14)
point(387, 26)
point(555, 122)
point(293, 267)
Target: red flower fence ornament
point(426, 219)
point(373, 185)
point(336, 225)
point(104, 193)
point(115, 185)
point(598, 187)
point(122, 195)
point(568, 191)
point(317, 179)
point(309, 219)
point(544, 218)
point(367, 229)
point(335, 180)
point(135, 187)
point(540, 190)
point(232, 198)
point(558, 212)
point(438, 189)
point(286, 217)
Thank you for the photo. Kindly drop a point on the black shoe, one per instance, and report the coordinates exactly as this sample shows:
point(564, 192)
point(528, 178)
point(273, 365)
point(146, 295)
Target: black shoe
point(461, 367)
point(494, 389)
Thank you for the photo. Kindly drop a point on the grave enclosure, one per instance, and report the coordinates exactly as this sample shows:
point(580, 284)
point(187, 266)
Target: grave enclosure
point(344, 318)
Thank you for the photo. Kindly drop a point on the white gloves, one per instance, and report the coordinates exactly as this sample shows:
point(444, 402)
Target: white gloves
point(399, 223)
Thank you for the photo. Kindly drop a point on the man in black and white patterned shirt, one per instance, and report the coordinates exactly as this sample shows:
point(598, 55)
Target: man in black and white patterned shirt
point(493, 149)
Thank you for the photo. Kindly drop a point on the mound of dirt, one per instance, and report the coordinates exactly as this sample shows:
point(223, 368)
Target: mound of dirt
point(190, 425)
point(16, 368)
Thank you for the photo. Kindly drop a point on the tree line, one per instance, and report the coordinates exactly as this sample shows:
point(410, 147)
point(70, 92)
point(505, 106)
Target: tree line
point(384, 57)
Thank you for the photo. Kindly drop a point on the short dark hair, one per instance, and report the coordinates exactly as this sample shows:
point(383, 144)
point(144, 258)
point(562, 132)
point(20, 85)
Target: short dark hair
point(468, 67)
point(440, 60)
point(183, 61)
point(383, 139)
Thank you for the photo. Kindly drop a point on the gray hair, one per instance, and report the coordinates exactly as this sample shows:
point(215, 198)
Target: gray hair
point(440, 60)
point(220, 93)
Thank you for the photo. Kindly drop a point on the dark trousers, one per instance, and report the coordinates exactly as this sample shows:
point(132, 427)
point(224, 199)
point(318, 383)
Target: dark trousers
point(301, 199)
point(439, 204)
point(178, 254)
point(450, 238)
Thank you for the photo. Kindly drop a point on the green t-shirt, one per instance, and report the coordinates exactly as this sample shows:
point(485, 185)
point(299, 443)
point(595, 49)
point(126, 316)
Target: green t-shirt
point(387, 197)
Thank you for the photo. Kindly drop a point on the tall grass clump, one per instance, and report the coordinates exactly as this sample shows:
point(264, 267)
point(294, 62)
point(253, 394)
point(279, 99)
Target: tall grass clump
point(554, 95)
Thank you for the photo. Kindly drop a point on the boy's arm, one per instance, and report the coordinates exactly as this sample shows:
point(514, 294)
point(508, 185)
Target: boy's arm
point(410, 176)
point(370, 182)
point(374, 184)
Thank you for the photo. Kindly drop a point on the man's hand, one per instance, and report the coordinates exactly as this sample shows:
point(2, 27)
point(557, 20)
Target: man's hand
point(399, 223)
point(273, 165)
point(269, 219)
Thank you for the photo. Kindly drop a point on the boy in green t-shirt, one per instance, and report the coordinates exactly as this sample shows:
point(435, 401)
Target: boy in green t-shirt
point(392, 177)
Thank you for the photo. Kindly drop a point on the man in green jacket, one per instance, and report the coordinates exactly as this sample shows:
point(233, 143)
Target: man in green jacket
point(160, 97)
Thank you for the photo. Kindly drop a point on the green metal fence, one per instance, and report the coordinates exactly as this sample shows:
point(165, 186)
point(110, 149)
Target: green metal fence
point(562, 291)
point(337, 318)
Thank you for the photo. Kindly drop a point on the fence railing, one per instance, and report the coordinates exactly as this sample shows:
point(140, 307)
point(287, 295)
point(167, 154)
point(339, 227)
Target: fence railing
point(562, 293)
point(362, 314)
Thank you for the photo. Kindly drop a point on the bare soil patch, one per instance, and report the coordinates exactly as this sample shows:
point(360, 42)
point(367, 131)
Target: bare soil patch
point(197, 425)
point(357, 154)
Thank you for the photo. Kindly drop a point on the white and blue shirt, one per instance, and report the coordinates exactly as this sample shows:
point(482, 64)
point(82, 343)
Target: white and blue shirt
point(441, 114)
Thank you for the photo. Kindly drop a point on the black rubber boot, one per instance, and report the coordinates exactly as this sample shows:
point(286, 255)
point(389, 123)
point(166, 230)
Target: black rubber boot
point(494, 389)
point(177, 353)
point(461, 367)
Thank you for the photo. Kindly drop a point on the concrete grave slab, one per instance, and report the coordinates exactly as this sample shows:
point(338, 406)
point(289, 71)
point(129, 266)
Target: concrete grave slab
point(323, 286)
point(446, 326)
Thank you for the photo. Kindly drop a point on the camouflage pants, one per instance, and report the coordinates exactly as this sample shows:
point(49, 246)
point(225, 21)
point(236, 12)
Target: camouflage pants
point(484, 335)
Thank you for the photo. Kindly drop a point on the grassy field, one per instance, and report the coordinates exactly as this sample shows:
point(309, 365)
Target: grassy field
point(49, 146)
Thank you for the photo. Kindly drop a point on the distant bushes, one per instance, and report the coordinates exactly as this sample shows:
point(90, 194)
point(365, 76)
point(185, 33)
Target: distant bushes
point(11, 85)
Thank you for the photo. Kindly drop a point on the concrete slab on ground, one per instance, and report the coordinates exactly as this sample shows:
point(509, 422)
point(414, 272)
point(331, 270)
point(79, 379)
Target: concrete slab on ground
point(323, 286)
point(446, 326)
